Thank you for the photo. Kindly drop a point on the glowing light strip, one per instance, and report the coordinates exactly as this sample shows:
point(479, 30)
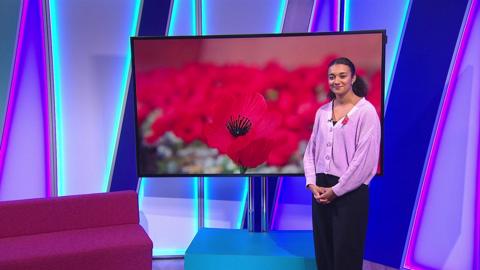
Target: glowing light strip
point(173, 18)
point(476, 236)
point(275, 207)
point(397, 45)
point(13, 94)
point(121, 102)
point(203, 15)
point(346, 15)
point(336, 15)
point(141, 192)
point(55, 43)
point(206, 202)
point(243, 203)
point(13, 87)
point(195, 204)
point(278, 28)
point(314, 16)
point(168, 252)
point(45, 108)
point(409, 259)
point(194, 17)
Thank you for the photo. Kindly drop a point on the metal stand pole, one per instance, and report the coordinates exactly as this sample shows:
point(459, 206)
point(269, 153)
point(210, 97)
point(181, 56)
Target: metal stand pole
point(201, 204)
point(264, 204)
point(251, 205)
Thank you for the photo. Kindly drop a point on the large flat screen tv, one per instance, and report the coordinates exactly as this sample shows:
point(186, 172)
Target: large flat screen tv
point(228, 105)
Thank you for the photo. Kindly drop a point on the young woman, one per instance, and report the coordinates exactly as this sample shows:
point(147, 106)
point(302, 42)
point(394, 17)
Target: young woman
point(340, 160)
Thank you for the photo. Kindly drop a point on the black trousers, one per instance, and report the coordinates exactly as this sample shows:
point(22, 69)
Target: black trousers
point(340, 228)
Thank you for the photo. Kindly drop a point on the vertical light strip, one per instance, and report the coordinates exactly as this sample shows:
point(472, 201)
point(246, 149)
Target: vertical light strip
point(397, 45)
point(409, 261)
point(46, 105)
point(157, 252)
point(59, 136)
point(28, 98)
point(346, 15)
point(314, 16)
point(336, 15)
point(206, 200)
point(243, 203)
point(13, 87)
point(203, 7)
point(193, 11)
point(121, 103)
point(277, 199)
point(476, 233)
point(173, 18)
point(141, 192)
point(281, 16)
point(476, 228)
point(195, 204)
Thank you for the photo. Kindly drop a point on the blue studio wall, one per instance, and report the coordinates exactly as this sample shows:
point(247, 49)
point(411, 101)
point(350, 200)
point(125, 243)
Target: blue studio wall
point(417, 87)
point(65, 77)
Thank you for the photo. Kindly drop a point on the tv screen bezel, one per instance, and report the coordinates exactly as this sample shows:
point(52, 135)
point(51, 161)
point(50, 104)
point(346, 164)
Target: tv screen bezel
point(248, 174)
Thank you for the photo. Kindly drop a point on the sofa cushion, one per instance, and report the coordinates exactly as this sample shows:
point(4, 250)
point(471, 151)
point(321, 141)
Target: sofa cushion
point(113, 247)
point(27, 217)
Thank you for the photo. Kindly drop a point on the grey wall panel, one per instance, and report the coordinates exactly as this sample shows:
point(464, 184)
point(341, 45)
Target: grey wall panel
point(297, 16)
point(9, 18)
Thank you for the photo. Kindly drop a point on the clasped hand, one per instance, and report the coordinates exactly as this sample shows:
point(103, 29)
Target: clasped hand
point(322, 195)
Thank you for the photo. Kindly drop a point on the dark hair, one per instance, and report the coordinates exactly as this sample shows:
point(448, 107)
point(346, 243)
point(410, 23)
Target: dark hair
point(359, 87)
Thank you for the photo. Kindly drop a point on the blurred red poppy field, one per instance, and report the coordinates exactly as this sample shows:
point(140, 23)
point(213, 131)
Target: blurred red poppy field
point(204, 114)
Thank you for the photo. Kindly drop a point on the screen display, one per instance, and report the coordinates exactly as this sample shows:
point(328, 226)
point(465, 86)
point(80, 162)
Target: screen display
point(230, 105)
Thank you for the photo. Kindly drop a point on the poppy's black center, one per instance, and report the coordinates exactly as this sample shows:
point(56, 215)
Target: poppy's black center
point(238, 126)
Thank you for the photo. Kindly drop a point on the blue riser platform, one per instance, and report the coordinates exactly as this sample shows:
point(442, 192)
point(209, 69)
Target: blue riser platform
point(240, 249)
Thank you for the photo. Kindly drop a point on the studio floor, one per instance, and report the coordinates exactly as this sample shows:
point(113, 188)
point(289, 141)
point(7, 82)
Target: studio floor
point(177, 264)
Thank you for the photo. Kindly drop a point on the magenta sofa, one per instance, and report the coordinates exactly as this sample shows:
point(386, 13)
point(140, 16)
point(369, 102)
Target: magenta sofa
point(95, 231)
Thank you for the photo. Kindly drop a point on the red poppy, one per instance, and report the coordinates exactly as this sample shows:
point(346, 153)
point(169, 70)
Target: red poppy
point(345, 120)
point(160, 125)
point(188, 126)
point(240, 127)
point(285, 145)
point(249, 153)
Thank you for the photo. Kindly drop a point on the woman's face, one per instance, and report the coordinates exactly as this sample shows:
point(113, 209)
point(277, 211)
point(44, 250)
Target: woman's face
point(340, 79)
